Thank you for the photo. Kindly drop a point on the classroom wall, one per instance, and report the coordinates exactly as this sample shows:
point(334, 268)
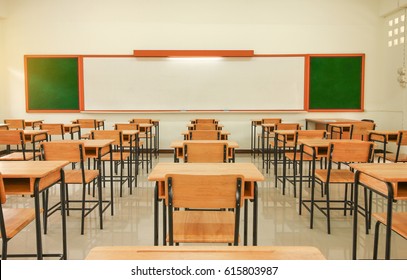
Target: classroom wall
point(3, 79)
point(267, 27)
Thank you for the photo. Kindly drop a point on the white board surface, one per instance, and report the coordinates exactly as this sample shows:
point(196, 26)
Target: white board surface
point(257, 83)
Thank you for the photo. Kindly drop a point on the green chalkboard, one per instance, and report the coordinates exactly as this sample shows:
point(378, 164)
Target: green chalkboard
point(336, 83)
point(52, 83)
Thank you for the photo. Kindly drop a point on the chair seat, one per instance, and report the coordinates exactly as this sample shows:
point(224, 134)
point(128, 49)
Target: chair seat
point(16, 219)
point(18, 156)
point(392, 157)
point(85, 136)
point(204, 226)
point(337, 175)
point(75, 176)
point(116, 156)
point(305, 157)
point(399, 221)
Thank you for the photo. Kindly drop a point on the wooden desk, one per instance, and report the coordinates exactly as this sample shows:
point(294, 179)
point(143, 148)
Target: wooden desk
point(33, 123)
point(386, 179)
point(178, 146)
point(205, 253)
point(384, 137)
point(323, 123)
point(251, 175)
point(253, 134)
point(100, 124)
point(343, 129)
point(223, 135)
point(31, 178)
point(72, 129)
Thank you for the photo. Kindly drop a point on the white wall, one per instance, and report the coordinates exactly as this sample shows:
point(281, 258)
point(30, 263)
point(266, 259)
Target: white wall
point(3, 78)
point(266, 26)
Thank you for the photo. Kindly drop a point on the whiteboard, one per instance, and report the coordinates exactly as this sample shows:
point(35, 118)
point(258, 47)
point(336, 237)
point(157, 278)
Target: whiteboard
point(255, 83)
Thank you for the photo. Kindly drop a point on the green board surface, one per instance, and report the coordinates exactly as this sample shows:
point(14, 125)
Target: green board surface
point(52, 83)
point(335, 83)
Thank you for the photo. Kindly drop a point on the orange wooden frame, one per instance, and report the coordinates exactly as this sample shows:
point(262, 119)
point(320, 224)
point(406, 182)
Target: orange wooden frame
point(307, 85)
point(193, 53)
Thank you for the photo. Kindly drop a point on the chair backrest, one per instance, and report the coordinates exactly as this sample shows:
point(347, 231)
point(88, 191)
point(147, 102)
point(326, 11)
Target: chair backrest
point(53, 128)
point(204, 191)
point(402, 138)
point(350, 151)
point(310, 134)
point(205, 126)
point(205, 152)
point(12, 137)
point(115, 135)
point(271, 120)
point(72, 151)
point(204, 135)
point(138, 121)
point(87, 123)
point(287, 126)
point(126, 126)
point(359, 129)
point(205, 121)
point(15, 123)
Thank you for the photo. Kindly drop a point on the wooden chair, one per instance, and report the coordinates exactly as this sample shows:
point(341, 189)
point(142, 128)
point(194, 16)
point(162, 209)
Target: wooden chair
point(398, 156)
point(203, 196)
point(15, 137)
point(119, 156)
point(342, 152)
point(150, 136)
point(205, 152)
point(89, 124)
point(398, 225)
point(15, 123)
point(12, 221)
point(294, 156)
point(74, 152)
point(266, 131)
point(282, 146)
point(204, 135)
point(56, 129)
point(205, 126)
point(138, 143)
point(360, 130)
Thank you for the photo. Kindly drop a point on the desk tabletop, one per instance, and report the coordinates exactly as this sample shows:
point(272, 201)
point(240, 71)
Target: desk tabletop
point(31, 169)
point(387, 172)
point(34, 131)
point(180, 143)
point(222, 132)
point(248, 170)
point(205, 253)
point(91, 143)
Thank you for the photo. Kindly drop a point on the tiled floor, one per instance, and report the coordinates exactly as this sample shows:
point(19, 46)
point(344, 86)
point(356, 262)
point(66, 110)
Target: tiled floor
point(279, 223)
